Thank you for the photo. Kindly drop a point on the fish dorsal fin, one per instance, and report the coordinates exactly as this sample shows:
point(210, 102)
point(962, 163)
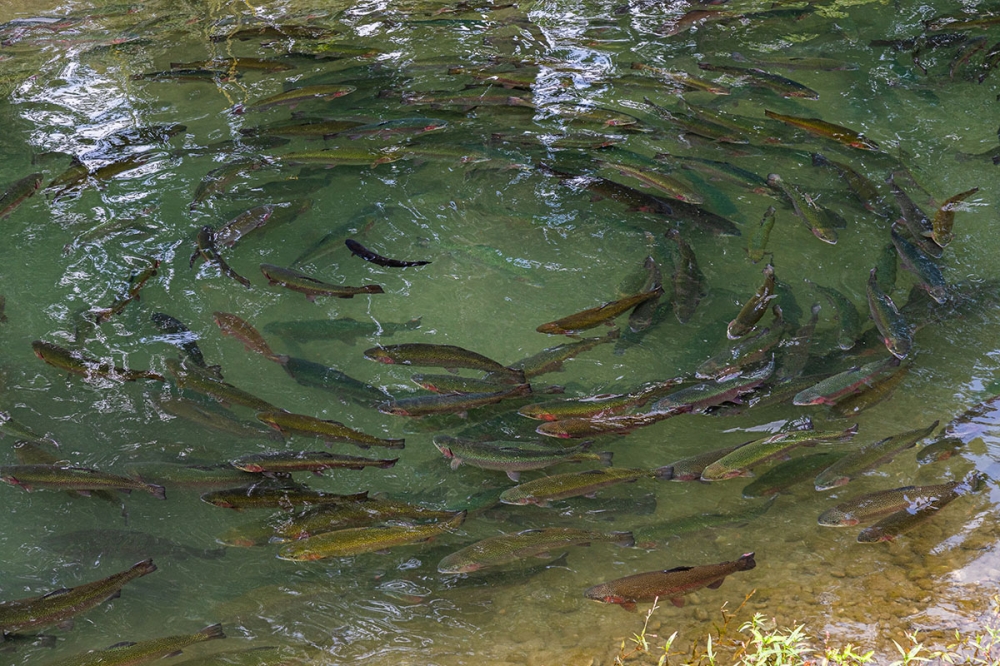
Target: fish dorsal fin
point(677, 569)
point(56, 593)
point(122, 645)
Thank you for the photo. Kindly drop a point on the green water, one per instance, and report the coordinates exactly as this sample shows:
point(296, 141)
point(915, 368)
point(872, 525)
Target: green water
point(511, 248)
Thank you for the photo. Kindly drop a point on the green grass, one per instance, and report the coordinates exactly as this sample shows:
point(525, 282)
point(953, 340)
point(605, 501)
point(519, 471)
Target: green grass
point(759, 642)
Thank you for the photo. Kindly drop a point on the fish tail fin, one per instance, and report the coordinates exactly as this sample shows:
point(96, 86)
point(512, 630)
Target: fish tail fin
point(746, 562)
point(159, 492)
point(605, 457)
point(664, 473)
point(385, 464)
point(213, 631)
point(144, 567)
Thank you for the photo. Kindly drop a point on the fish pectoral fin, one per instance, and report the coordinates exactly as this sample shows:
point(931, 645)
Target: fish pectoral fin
point(629, 606)
point(384, 551)
point(512, 475)
point(66, 625)
point(592, 495)
point(123, 644)
point(678, 601)
point(83, 493)
point(717, 584)
point(544, 555)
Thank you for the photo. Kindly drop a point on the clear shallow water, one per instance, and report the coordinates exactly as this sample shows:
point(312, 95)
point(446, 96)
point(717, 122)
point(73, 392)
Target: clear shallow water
point(511, 248)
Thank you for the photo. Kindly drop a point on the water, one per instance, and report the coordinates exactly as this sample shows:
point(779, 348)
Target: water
point(511, 248)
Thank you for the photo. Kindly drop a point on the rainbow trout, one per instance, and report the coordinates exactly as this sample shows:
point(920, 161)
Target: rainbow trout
point(360, 540)
point(783, 476)
point(240, 329)
point(869, 457)
point(670, 584)
point(895, 331)
point(130, 654)
point(581, 321)
point(833, 389)
point(426, 405)
point(905, 520)
point(302, 94)
point(757, 243)
point(61, 605)
point(17, 193)
point(310, 286)
point(551, 359)
point(873, 506)
point(330, 431)
point(688, 281)
point(80, 479)
point(842, 135)
point(439, 356)
point(513, 457)
point(607, 404)
point(754, 308)
point(561, 486)
point(285, 462)
point(923, 267)
point(691, 468)
point(700, 397)
point(201, 380)
point(77, 363)
point(944, 218)
point(847, 313)
point(261, 497)
point(506, 548)
point(738, 462)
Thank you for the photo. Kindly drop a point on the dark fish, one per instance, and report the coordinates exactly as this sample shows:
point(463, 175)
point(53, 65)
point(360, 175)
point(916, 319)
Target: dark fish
point(77, 363)
point(754, 308)
point(359, 250)
point(670, 584)
point(439, 356)
point(344, 329)
point(93, 544)
point(688, 281)
point(869, 457)
point(310, 286)
point(181, 336)
point(592, 317)
point(317, 375)
point(894, 329)
point(17, 193)
point(205, 248)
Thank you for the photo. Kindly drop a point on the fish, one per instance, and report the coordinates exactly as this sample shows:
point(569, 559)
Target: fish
point(297, 128)
point(691, 468)
point(328, 518)
point(270, 31)
point(754, 308)
point(465, 101)
point(739, 462)
point(189, 475)
point(345, 329)
point(670, 584)
point(359, 250)
point(391, 129)
point(94, 544)
point(330, 431)
point(745, 352)
point(699, 397)
point(513, 457)
point(915, 219)
point(814, 217)
point(757, 243)
point(459, 385)
point(246, 222)
point(592, 317)
point(127, 654)
point(896, 524)
point(185, 340)
point(688, 280)
point(596, 406)
point(17, 193)
point(692, 124)
point(75, 362)
point(862, 188)
point(795, 350)
point(833, 389)
point(939, 450)
point(573, 484)
point(205, 248)
point(672, 187)
point(310, 286)
point(188, 75)
point(215, 417)
point(221, 179)
point(359, 540)
point(304, 461)
point(450, 403)
point(450, 357)
point(718, 170)
point(80, 479)
point(895, 331)
point(507, 548)
point(329, 158)
point(198, 379)
point(63, 604)
point(317, 375)
point(551, 359)
point(758, 78)
point(136, 282)
point(258, 496)
point(821, 128)
point(240, 329)
point(620, 424)
point(297, 96)
point(8, 426)
point(847, 314)
point(682, 79)
point(784, 475)
point(871, 394)
point(922, 266)
point(886, 268)
point(872, 506)
point(810, 63)
point(869, 457)
point(941, 225)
